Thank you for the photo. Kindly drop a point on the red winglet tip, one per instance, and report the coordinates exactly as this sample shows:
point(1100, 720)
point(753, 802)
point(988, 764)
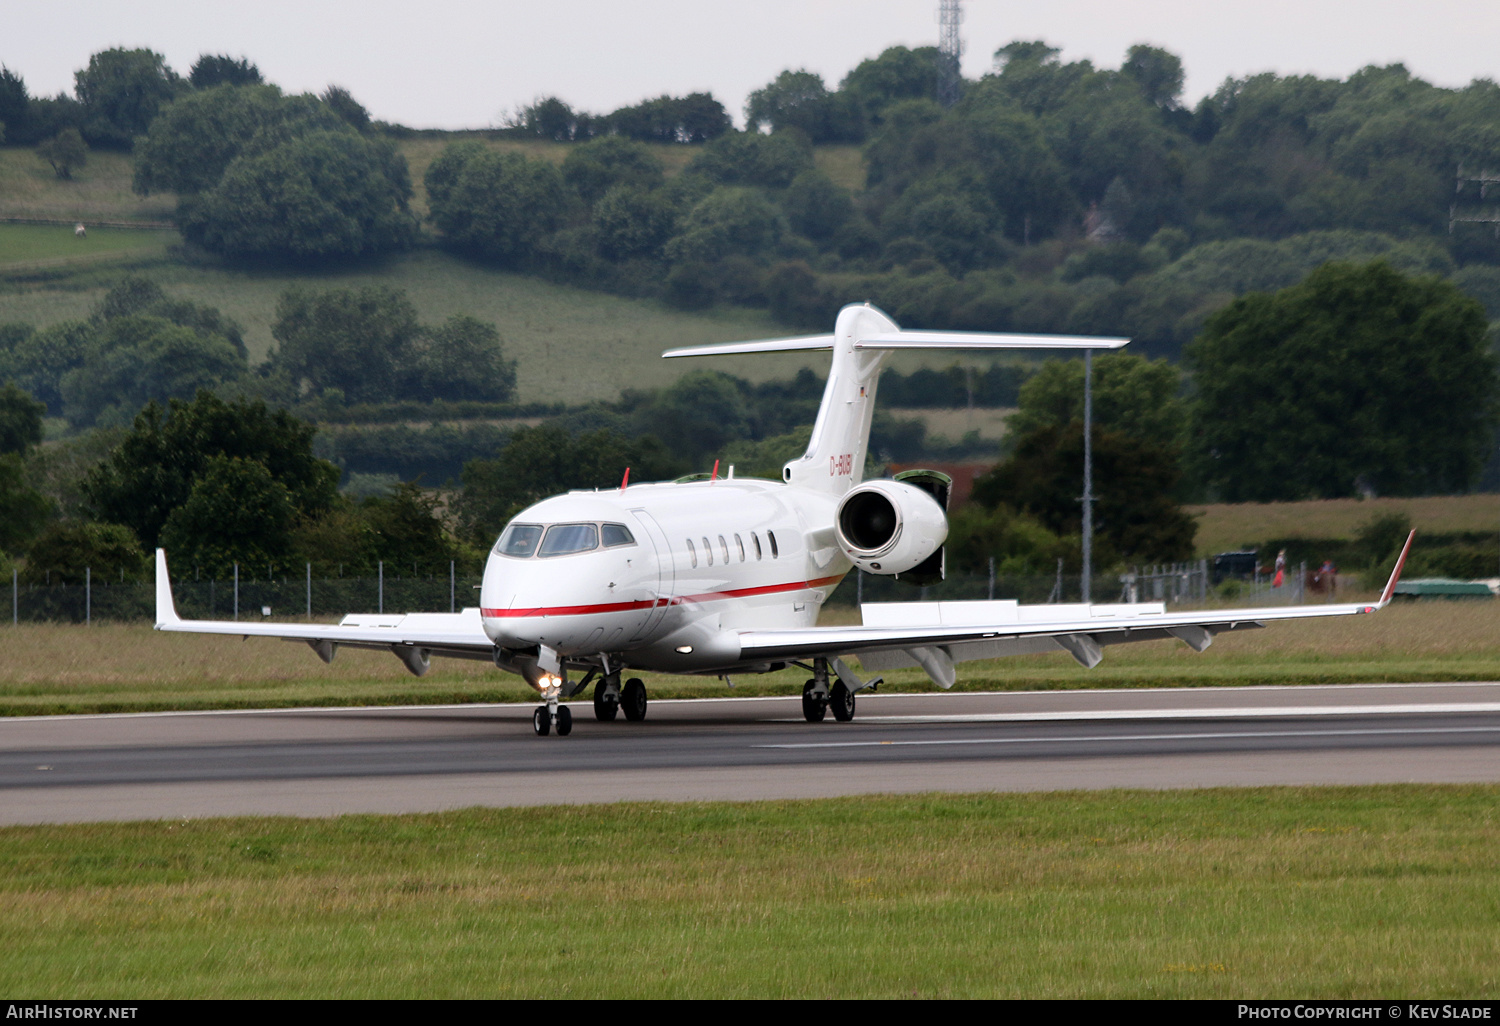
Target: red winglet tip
point(1390, 586)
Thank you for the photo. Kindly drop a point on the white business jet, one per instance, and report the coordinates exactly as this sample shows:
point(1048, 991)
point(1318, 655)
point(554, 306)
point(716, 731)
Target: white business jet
point(727, 575)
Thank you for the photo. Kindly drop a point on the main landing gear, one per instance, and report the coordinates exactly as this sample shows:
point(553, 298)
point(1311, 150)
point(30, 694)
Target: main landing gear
point(609, 699)
point(818, 697)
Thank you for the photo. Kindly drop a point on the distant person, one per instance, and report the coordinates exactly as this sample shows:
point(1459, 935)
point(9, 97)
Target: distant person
point(79, 231)
point(1280, 577)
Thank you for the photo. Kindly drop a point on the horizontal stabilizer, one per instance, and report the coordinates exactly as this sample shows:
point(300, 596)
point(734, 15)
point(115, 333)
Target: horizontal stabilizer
point(765, 345)
point(918, 340)
point(977, 340)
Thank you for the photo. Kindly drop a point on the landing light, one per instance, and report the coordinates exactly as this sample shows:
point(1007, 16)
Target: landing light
point(685, 649)
point(549, 681)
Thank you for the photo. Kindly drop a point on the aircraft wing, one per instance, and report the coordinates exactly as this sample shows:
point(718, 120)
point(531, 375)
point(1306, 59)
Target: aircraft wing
point(936, 635)
point(412, 637)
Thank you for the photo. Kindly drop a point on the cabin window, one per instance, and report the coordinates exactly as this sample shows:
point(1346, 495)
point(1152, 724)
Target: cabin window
point(741, 546)
point(724, 548)
point(566, 539)
point(775, 552)
point(692, 552)
point(708, 552)
point(755, 540)
point(519, 540)
point(617, 534)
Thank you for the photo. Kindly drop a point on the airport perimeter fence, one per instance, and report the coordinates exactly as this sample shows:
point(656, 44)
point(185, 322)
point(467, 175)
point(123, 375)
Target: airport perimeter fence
point(294, 597)
point(304, 597)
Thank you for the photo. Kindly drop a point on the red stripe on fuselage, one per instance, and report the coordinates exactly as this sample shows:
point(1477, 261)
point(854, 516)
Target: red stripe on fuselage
point(624, 607)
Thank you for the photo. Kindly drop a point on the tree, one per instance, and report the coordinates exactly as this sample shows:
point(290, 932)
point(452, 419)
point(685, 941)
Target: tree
point(815, 206)
point(66, 152)
point(1131, 395)
point(497, 205)
point(463, 359)
point(543, 461)
point(351, 111)
point(406, 529)
point(898, 74)
point(23, 510)
point(1135, 517)
point(191, 143)
point(20, 420)
point(319, 196)
point(631, 222)
point(1359, 377)
point(155, 468)
point(749, 158)
point(219, 69)
point(236, 512)
point(135, 359)
point(69, 549)
point(121, 91)
point(729, 221)
point(800, 100)
point(694, 118)
point(40, 359)
point(359, 341)
point(1157, 73)
point(15, 107)
point(596, 167)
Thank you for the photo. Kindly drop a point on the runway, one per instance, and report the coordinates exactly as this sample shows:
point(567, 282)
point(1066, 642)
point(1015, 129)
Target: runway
point(335, 761)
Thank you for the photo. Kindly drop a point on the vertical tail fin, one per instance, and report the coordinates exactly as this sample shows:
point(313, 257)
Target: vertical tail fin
point(835, 457)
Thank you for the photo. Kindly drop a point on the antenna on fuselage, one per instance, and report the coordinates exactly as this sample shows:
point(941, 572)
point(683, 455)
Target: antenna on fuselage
point(625, 481)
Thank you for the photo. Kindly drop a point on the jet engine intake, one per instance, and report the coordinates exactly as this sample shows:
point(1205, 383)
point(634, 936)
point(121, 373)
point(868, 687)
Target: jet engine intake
point(888, 527)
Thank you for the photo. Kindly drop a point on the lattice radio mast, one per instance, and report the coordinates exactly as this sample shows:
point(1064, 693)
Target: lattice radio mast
point(950, 49)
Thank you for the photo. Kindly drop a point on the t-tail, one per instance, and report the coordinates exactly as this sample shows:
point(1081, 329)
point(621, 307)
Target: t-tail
point(862, 338)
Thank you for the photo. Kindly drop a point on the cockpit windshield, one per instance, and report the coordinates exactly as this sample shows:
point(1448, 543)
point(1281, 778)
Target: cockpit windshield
point(519, 540)
point(565, 539)
point(522, 541)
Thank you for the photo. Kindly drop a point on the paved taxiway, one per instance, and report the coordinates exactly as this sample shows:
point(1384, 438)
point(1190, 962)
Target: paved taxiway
point(331, 761)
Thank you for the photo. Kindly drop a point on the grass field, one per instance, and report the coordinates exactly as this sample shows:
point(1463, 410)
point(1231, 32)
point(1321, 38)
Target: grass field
point(48, 668)
point(1224, 527)
point(51, 246)
point(1294, 892)
point(98, 191)
point(571, 344)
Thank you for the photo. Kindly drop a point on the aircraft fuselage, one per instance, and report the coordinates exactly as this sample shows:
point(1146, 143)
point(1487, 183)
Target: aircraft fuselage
point(696, 562)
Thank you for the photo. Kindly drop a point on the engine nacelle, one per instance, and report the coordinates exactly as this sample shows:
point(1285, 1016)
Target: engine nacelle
point(887, 527)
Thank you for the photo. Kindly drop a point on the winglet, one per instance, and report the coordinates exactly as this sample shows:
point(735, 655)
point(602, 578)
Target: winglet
point(166, 609)
point(1390, 586)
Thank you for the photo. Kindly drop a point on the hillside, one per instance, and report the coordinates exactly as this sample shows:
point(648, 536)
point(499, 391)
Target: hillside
point(1224, 527)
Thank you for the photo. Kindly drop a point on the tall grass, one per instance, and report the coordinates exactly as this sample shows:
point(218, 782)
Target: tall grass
point(1293, 892)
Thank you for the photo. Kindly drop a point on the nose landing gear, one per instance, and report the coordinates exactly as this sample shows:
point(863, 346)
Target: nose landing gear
point(553, 714)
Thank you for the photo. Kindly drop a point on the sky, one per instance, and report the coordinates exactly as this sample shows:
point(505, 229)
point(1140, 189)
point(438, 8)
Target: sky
point(465, 64)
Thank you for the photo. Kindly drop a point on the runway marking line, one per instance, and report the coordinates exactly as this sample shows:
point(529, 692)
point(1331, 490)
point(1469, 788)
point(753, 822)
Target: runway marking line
point(1215, 736)
point(1228, 713)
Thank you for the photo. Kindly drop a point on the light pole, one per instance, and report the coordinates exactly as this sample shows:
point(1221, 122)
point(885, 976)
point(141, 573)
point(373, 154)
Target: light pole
point(1088, 471)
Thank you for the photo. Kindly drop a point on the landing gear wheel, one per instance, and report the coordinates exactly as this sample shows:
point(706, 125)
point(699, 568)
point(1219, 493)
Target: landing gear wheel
point(564, 721)
point(814, 708)
point(541, 722)
point(606, 704)
point(842, 701)
point(633, 700)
